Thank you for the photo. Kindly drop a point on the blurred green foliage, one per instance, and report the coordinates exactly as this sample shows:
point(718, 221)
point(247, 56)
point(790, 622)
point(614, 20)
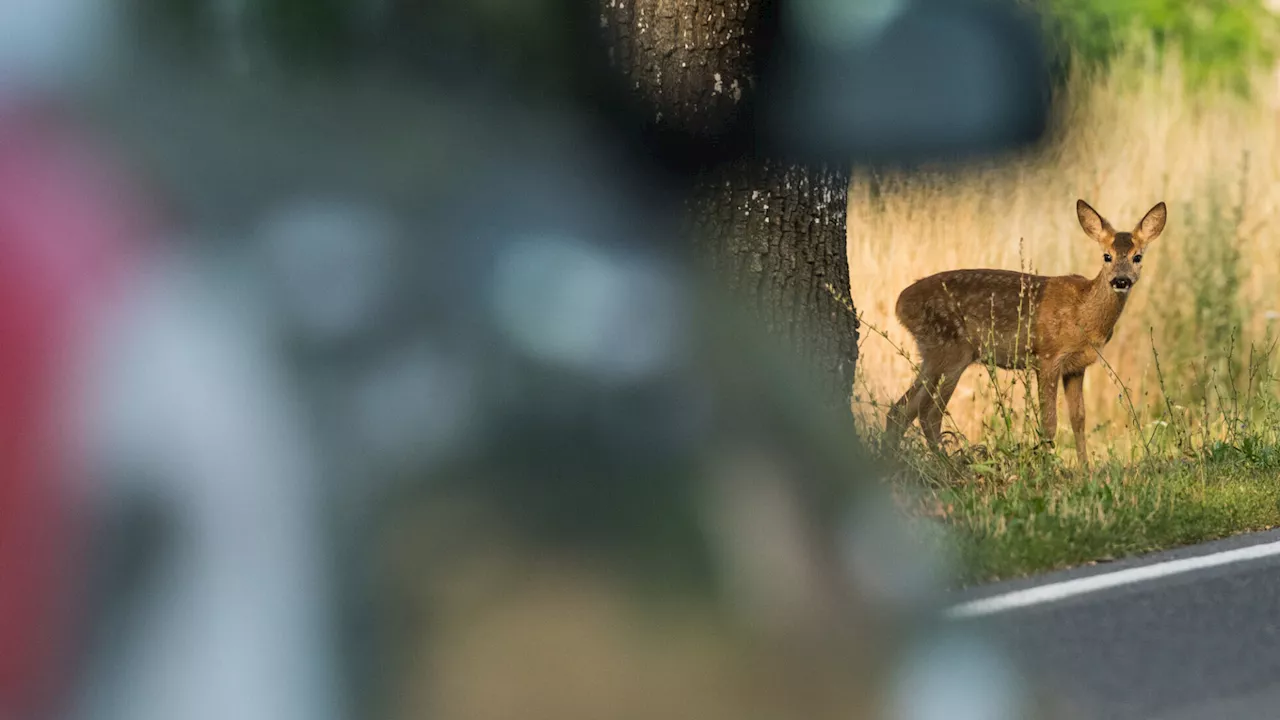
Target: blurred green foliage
point(310, 31)
point(536, 40)
point(315, 30)
point(1220, 42)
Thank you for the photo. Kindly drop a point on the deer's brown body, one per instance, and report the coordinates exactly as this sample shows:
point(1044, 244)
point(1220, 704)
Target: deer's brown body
point(1054, 325)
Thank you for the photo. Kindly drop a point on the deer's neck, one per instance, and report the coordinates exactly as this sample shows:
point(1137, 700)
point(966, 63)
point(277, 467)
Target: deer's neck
point(1102, 307)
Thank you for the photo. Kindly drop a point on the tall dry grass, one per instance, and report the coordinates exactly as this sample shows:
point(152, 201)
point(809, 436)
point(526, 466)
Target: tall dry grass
point(1131, 136)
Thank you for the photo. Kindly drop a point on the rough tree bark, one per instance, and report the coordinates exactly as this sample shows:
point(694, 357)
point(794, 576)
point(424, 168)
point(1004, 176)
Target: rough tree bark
point(772, 230)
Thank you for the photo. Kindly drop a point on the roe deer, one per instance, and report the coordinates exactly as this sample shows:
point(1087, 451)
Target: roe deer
point(1055, 325)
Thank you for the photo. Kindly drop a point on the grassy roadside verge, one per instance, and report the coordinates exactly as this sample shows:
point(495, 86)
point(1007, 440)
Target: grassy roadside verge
point(1014, 527)
point(1174, 475)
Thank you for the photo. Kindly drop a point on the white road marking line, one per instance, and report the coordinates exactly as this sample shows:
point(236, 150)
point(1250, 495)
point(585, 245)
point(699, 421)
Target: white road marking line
point(1129, 576)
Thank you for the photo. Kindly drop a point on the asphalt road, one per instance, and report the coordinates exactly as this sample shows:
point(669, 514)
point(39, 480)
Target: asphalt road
point(1203, 644)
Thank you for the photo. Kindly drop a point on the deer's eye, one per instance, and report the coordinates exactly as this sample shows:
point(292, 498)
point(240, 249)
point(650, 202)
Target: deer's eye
point(1137, 258)
point(1106, 257)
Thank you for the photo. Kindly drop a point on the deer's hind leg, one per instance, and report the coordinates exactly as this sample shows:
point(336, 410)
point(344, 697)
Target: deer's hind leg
point(912, 401)
point(903, 412)
point(935, 405)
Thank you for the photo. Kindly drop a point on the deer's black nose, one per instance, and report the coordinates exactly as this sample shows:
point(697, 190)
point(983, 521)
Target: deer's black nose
point(1121, 283)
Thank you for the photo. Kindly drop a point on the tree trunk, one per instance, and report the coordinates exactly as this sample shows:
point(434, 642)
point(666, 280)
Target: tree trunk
point(776, 235)
point(773, 231)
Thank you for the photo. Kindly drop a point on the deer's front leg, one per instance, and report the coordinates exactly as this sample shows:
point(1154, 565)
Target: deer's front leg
point(1073, 384)
point(1047, 378)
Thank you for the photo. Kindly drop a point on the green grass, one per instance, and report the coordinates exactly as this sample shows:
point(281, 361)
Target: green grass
point(1184, 474)
point(1014, 519)
point(1176, 474)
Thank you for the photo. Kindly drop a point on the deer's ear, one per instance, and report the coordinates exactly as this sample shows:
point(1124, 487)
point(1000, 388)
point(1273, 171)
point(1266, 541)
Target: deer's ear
point(1095, 226)
point(1152, 224)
